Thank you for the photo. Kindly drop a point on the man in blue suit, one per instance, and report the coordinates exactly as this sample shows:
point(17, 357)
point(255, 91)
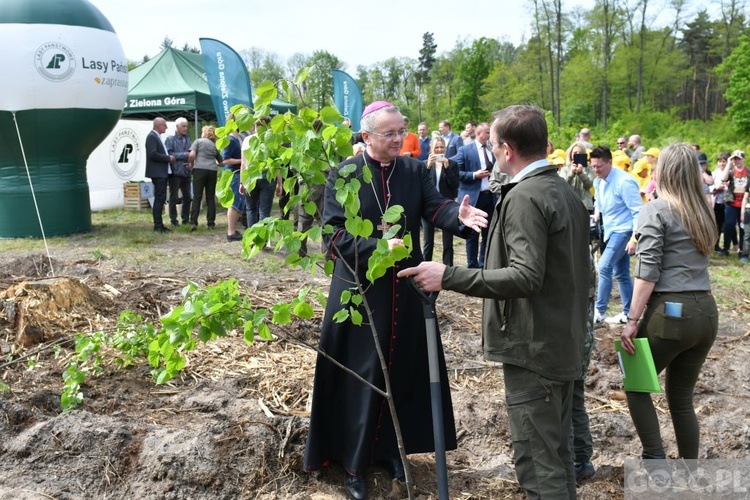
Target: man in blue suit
point(475, 162)
point(452, 140)
point(158, 168)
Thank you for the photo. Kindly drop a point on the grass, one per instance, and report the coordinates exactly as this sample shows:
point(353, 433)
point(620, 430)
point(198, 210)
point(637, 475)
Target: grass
point(126, 235)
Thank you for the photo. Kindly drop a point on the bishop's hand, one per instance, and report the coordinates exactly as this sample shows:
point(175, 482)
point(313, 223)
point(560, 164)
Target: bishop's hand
point(471, 216)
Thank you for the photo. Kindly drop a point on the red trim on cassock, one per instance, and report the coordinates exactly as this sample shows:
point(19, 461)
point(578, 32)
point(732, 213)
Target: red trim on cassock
point(333, 242)
point(439, 209)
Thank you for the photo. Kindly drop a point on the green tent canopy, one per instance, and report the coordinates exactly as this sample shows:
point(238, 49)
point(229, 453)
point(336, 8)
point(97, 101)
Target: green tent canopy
point(172, 83)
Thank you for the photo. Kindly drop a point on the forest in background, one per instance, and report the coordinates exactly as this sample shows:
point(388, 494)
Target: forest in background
point(611, 68)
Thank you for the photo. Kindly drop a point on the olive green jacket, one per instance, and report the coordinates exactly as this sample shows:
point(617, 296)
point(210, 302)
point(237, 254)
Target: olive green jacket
point(536, 277)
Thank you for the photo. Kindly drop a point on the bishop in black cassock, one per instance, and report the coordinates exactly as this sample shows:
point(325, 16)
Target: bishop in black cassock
point(349, 422)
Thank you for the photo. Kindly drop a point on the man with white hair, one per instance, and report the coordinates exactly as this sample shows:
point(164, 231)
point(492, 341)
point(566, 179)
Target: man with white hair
point(585, 138)
point(178, 145)
point(157, 169)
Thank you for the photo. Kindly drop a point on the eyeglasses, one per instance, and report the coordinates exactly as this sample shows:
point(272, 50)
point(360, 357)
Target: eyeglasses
point(392, 135)
point(620, 143)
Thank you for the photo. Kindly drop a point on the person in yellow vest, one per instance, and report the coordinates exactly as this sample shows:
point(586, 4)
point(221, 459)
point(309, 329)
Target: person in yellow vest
point(621, 160)
point(641, 171)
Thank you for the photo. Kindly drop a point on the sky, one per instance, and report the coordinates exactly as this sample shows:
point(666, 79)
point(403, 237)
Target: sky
point(358, 33)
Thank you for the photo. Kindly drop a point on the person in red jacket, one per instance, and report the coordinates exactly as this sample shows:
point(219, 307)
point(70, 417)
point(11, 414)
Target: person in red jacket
point(411, 142)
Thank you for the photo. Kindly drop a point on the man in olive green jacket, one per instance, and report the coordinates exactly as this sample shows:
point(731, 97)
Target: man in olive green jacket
point(535, 284)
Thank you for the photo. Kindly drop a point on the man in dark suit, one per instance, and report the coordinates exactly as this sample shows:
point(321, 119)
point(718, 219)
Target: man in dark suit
point(453, 141)
point(475, 162)
point(158, 169)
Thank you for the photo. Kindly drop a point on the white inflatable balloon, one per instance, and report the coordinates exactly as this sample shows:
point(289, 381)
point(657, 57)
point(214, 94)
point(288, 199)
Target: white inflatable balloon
point(64, 85)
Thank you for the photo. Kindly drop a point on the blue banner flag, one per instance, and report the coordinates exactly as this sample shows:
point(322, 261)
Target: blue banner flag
point(347, 97)
point(227, 76)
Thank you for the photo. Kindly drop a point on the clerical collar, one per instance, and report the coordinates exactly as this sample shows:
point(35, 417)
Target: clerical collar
point(378, 162)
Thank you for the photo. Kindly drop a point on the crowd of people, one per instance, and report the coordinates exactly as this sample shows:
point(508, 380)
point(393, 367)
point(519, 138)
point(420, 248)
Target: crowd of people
point(556, 228)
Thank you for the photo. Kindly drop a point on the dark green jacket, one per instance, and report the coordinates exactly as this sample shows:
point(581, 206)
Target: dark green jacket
point(536, 277)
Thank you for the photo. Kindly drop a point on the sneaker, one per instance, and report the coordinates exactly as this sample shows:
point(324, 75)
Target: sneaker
point(162, 229)
point(743, 260)
point(175, 223)
point(598, 317)
point(723, 253)
point(237, 236)
point(619, 319)
point(584, 470)
point(193, 227)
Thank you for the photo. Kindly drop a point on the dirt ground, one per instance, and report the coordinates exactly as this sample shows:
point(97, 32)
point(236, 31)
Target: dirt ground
point(233, 425)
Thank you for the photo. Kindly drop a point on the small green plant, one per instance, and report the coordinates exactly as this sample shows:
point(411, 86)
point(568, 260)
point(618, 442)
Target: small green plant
point(99, 255)
point(206, 313)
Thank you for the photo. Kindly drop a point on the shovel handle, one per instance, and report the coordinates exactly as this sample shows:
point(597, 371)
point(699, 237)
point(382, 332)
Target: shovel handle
point(426, 298)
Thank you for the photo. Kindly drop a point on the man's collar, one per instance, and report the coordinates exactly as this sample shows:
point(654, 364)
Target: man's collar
point(530, 168)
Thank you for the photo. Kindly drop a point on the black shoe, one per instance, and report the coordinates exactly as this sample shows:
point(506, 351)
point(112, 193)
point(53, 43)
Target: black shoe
point(237, 236)
point(212, 226)
point(185, 222)
point(175, 223)
point(193, 227)
point(394, 468)
point(356, 487)
point(584, 470)
point(162, 229)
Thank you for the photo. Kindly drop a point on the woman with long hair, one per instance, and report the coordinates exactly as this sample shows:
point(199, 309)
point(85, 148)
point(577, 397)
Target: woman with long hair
point(676, 234)
point(206, 159)
point(579, 176)
point(444, 174)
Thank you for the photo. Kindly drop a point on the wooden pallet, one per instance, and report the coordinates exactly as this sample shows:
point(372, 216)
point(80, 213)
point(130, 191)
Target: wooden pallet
point(132, 190)
point(136, 204)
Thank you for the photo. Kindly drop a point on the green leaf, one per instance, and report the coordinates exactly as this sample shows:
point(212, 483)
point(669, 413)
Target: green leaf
point(353, 226)
point(356, 316)
point(393, 214)
point(341, 315)
point(281, 314)
point(347, 169)
point(346, 296)
point(304, 310)
point(223, 188)
point(267, 91)
point(204, 333)
point(367, 228)
point(329, 265)
point(163, 377)
point(330, 115)
point(301, 76)
point(392, 232)
point(249, 333)
point(264, 332)
point(357, 299)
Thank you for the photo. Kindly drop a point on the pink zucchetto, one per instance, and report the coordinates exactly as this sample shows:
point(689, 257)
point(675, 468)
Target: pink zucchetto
point(375, 106)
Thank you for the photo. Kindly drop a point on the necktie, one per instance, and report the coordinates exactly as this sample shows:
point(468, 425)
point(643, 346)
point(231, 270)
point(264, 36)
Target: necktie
point(487, 162)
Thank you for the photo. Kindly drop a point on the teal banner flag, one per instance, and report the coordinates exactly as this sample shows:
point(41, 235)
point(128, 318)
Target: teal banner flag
point(227, 76)
point(347, 97)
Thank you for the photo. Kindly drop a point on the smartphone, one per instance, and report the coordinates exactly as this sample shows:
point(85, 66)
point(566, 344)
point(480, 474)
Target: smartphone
point(580, 159)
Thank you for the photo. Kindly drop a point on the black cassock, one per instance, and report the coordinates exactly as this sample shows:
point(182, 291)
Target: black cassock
point(349, 422)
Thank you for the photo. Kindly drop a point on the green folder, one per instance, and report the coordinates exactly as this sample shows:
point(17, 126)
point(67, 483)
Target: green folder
point(638, 370)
